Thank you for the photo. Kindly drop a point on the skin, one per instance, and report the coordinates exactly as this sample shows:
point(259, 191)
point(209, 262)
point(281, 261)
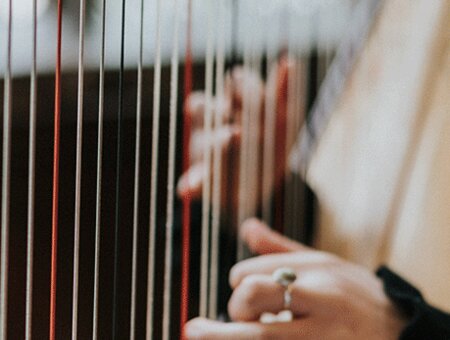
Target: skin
point(229, 108)
point(331, 298)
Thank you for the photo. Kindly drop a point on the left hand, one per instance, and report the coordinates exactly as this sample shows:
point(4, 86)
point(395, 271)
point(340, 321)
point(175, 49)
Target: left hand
point(331, 298)
point(229, 107)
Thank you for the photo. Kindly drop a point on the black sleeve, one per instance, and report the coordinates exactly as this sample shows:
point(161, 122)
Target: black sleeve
point(426, 322)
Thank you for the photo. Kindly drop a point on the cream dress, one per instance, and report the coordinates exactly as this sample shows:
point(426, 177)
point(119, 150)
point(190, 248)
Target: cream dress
point(381, 170)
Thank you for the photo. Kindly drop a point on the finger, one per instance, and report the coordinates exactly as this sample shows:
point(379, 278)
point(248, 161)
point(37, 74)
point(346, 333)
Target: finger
point(243, 82)
point(203, 329)
point(191, 182)
point(202, 141)
point(258, 294)
point(263, 240)
point(301, 261)
point(195, 107)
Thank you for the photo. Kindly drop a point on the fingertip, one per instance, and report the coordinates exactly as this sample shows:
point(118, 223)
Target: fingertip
point(190, 183)
point(194, 328)
point(251, 225)
point(234, 276)
point(189, 330)
point(194, 106)
point(261, 239)
point(182, 188)
point(255, 233)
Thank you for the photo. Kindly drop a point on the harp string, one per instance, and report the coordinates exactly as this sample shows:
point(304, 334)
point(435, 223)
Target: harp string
point(186, 222)
point(137, 155)
point(302, 196)
point(55, 193)
point(296, 225)
point(154, 176)
point(206, 191)
point(295, 198)
point(292, 93)
point(254, 134)
point(120, 122)
point(31, 179)
point(79, 151)
point(171, 175)
point(279, 203)
point(217, 161)
point(6, 165)
point(243, 157)
point(98, 197)
point(269, 124)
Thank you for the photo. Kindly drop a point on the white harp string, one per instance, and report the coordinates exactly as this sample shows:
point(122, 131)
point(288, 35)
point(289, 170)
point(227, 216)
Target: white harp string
point(98, 200)
point(217, 162)
point(137, 155)
point(31, 178)
point(6, 168)
point(154, 174)
point(253, 166)
point(290, 130)
point(300, 111)
point(171, 175)
point(79, 151)
point(269, 126)
point(243, 157)
point(206, 191)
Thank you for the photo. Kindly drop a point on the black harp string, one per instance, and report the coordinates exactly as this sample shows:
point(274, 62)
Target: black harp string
point(31, 178)
point(6, 165)
point(98, 200)
point(119, 165)
point(137, 155)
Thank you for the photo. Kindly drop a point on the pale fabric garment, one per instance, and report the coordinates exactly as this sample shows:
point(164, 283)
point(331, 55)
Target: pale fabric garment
point(381, 170)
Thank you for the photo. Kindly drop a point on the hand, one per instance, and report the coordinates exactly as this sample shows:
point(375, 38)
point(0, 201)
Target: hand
point(331, 298)
point(229, 108)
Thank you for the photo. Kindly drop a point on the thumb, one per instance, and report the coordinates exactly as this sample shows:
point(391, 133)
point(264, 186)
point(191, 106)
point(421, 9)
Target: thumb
point(263, 240)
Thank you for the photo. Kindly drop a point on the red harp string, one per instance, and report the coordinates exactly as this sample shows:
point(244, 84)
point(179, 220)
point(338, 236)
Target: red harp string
point(186, 218)
point(55, 193)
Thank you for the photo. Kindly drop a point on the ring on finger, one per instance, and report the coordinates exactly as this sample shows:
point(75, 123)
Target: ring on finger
point(285, 277)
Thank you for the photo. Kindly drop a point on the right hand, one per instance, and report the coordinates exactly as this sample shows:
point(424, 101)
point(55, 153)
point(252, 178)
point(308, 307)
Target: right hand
point(331, 298)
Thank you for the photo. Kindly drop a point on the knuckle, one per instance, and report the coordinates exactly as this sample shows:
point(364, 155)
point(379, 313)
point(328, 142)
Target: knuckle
point(235, 275)
point(242, 305)
point(251, 287)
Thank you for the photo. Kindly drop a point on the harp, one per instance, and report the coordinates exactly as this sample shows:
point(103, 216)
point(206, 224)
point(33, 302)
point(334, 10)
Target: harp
point(95, 243)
